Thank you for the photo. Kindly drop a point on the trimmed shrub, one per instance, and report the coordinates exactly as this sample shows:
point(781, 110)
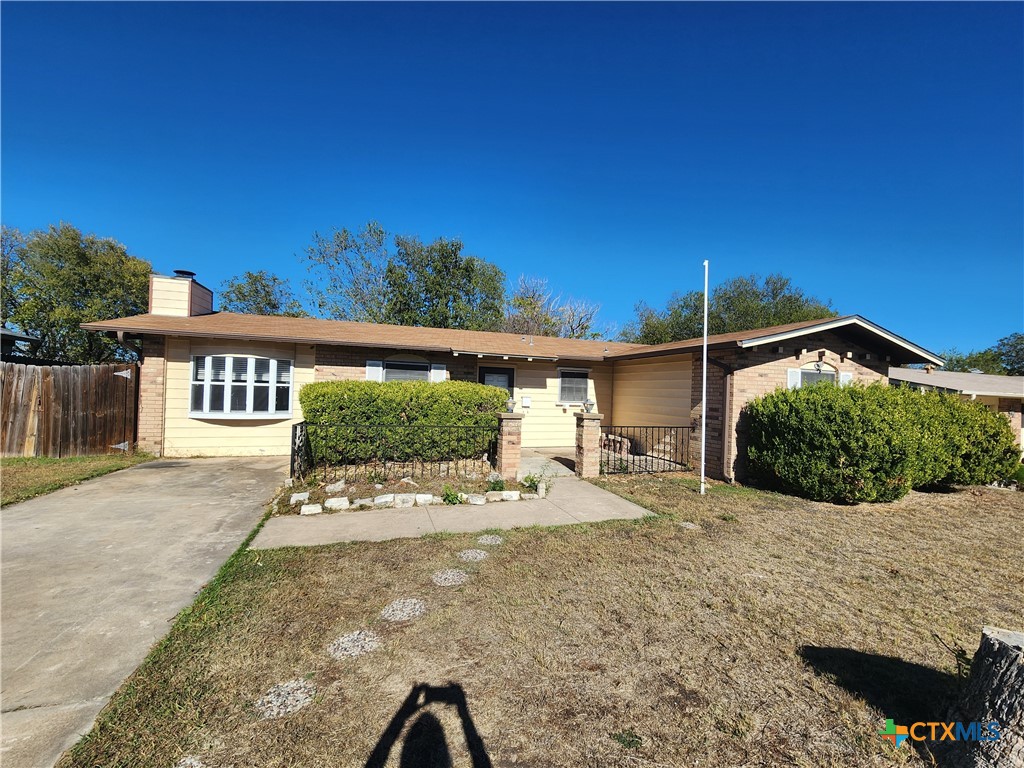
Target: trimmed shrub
point(874, 443)
point(360, 421)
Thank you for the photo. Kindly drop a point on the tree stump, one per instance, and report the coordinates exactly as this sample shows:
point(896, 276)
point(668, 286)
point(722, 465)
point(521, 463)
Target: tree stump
point(994, 693)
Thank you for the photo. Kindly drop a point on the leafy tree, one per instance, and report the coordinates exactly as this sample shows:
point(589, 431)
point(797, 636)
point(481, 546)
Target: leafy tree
point(986, 361)
point(260, 293)
point(58, 278)
point(12, 245)
point(347, 273)
point(536, 310)
point(437, 286)
point(1011, 353)
point(360, 276)
point(739, 304)
point(1004, 358)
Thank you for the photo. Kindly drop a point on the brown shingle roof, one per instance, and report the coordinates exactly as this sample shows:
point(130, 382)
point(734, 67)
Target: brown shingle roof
point(306, 330)
point(718, 340)
point(853, 326)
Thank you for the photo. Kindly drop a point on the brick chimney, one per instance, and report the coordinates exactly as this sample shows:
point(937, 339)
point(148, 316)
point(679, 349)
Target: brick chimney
point(179, 296)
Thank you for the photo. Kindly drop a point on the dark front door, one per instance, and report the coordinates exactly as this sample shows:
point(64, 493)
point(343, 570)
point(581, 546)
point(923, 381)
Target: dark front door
point(498, 377)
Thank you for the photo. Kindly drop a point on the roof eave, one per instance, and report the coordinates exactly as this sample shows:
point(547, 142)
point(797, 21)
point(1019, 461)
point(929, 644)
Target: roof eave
point(892, 338)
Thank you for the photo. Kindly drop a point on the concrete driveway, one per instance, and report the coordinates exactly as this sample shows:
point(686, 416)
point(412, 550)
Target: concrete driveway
point(93, 575)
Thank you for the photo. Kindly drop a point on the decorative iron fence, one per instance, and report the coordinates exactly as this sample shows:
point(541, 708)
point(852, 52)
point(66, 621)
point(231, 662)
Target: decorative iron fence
point(378, 452)
point(636, 450)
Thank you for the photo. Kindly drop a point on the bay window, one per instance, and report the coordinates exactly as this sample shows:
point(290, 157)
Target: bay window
point(238, 386)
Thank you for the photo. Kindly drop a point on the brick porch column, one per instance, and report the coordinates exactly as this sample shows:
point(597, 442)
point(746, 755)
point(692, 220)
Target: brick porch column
point(588, 444)
point(152, 371)
point(510, 443)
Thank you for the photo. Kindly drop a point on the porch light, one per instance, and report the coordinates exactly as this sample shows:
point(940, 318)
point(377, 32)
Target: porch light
point(510, 404)
point(588, 405)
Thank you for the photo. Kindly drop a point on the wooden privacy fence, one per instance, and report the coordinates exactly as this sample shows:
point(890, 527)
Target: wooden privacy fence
point(68, 410)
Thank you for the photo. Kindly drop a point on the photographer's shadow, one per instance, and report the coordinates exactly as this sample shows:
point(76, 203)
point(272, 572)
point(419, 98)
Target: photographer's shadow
point(425, 745)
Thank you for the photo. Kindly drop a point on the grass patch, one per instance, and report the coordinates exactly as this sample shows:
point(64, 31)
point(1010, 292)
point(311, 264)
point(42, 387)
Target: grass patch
point(783, 640)
point(24, 478)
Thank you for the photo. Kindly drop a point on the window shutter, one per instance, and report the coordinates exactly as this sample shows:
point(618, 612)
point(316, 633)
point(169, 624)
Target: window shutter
point(845, 379)
point(792, 378)
point(375, 370)
point(437, 372)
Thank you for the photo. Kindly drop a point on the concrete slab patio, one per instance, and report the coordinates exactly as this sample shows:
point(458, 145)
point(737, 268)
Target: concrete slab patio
point(93, 575)
point(568, 502)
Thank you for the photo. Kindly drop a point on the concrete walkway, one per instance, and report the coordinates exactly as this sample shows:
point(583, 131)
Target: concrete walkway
point(568, 502)
point(92, 577)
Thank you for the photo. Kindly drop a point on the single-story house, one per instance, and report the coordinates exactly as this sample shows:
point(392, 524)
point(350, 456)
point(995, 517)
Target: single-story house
point(218, 383)
point(1000, 394)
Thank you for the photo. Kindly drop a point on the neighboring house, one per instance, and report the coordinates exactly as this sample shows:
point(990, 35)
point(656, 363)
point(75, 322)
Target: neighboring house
point(217, 383)
point(14, 344)
point(1001, 394)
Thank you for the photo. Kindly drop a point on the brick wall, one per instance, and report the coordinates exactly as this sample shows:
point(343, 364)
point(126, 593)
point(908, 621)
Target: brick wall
point(152, 372)
point(336, 363)
point(716, 410)
point(760, 371)
point(756, 372)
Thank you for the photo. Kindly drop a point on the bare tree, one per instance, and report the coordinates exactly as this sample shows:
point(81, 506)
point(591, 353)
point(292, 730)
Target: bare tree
point(347, 273)
point(536, 309)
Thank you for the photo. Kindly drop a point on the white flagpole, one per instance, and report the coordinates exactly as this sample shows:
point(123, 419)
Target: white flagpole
point(704, 385)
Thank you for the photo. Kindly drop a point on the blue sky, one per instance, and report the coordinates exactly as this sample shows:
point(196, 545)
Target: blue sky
point(871, 152)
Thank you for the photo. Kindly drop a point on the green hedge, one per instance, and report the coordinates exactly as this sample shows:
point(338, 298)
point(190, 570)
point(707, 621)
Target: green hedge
point(355, 422)
point(874, 443)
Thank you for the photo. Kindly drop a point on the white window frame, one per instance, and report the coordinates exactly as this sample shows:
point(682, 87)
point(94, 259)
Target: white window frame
point(563, 402)
point(376, 370)
point(230, 365)
point(794, 376)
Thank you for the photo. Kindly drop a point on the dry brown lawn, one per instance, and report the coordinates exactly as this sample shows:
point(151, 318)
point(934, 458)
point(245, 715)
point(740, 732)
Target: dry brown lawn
point(778, 633)
point(24, 478)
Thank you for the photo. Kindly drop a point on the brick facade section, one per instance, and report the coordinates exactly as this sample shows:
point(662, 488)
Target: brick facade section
point(510, 442)
point(757, 372)
point(1011, 409)
point(588, 444)
point(336, 363)
point(152, 371)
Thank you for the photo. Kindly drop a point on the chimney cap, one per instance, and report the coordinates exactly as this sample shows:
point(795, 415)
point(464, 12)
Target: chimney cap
point(185, 273)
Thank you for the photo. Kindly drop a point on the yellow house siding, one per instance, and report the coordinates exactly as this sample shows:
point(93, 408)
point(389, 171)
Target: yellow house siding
point(168, 296)
point(653, 392)
point(547, 423)
point(185, 436)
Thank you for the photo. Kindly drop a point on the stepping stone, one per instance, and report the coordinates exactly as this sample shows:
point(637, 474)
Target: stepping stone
point(403, 500)
point(472, 555)
point(337, 487)
point(490, 540)
point(450, 577)
point(297, 497)
point(354, 644)
point(476, 498)
point(404, 609)
point(311, 509)
point(424, 499)
point(689, 526)
point(341, 502)
point(286, 698)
